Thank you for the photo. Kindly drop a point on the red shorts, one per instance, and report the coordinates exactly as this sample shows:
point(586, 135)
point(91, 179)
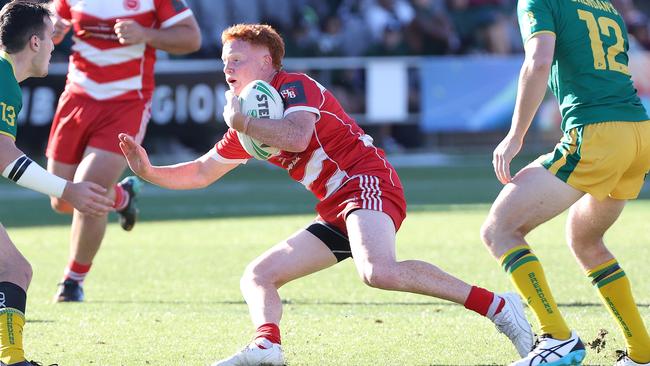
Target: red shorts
point(371, 192)
point(82, 122)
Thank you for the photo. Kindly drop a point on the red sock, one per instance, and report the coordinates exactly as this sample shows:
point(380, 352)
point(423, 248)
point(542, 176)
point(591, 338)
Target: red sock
point(76, 271)
point(482, 301)
point(269, 331)
point(121, 198)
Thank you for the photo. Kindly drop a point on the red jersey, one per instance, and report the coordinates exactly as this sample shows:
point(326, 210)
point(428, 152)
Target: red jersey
point(102, 68)
point(339, 150)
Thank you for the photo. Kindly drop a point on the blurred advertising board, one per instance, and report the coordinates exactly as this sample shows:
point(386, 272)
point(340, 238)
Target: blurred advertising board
point(187, 104)
point(474, 94)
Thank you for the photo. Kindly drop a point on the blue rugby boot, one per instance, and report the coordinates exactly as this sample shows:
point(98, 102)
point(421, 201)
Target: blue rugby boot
point(554, 352)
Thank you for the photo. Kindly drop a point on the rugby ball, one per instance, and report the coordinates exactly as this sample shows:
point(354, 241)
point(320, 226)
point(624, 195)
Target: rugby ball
point(259, 99)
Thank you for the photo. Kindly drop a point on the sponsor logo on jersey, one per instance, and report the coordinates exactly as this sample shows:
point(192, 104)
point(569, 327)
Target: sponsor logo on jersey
point(132, 5)
point(101, 30)
point(293, 93)
point(2, 300)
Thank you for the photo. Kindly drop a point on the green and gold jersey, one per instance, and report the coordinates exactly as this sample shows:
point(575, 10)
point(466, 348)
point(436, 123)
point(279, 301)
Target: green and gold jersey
point(11, 97)
point(589, 75)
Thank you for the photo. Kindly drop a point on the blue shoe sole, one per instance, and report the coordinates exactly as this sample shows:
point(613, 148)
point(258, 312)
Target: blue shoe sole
point(572, 359)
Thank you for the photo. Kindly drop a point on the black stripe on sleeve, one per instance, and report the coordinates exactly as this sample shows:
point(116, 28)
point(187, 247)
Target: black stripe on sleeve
point(16, 166)
point(22, 169)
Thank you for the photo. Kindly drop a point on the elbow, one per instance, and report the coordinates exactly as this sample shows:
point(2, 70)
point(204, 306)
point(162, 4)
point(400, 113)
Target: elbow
point(186, 48)
point(195, 43)
point(300, 137)
point(188, 45)
point(202, 181)
point(298, 145)
point(540, 65)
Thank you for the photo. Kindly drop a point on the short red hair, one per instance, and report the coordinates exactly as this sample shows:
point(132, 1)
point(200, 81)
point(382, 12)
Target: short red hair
point(258, 35)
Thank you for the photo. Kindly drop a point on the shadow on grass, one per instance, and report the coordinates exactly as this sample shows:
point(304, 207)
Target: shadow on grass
point(265, 193)
point(327, 303)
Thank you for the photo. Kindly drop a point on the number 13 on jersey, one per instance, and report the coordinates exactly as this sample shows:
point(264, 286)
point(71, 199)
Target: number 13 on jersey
point(603, 26)
point(8, 113)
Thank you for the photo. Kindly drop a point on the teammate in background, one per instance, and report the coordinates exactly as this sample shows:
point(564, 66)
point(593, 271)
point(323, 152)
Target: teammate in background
point(25, 50)
point(598, 165)
point(361, 198)
point(108, 91)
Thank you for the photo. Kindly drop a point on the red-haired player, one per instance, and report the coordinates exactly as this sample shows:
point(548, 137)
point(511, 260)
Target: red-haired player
point(361, 198)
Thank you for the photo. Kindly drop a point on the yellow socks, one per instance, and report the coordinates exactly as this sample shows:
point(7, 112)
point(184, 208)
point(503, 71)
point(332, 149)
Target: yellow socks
point(615, 291)
point(527, 275)
point(11, 335)
point(12, 319)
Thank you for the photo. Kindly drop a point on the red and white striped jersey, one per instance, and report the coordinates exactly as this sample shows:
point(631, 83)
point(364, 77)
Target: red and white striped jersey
point(339, 150)
point(102, 68)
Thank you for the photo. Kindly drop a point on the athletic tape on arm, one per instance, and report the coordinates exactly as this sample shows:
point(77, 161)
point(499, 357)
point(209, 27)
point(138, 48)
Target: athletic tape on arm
point(30, 175)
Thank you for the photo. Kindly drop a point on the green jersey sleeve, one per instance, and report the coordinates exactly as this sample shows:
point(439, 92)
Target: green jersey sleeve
point(535, 16)
point(10, 99)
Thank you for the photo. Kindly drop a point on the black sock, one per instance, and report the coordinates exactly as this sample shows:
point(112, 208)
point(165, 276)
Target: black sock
point(12, 296)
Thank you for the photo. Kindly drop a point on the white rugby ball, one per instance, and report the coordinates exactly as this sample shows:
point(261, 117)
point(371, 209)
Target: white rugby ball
point(259, 99)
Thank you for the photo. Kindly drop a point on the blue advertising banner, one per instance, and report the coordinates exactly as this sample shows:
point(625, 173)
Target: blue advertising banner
point(474, 94)
point(467, 94)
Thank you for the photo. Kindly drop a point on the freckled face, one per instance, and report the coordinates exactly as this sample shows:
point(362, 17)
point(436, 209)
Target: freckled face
point(243, 63)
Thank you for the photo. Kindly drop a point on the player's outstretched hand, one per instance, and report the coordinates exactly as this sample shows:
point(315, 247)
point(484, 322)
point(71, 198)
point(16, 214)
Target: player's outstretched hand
point(136, 156)
point(88, 197)
point(503, 155)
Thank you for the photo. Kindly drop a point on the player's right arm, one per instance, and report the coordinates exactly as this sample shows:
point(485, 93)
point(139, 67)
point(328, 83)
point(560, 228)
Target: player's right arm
point(87, 197)
point(198, 173)
point(533, 79)
point(537, 28)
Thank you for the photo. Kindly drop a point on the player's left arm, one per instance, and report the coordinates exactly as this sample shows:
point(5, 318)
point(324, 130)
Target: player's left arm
point(533, 79)
point(180, 38)
point(291, 133)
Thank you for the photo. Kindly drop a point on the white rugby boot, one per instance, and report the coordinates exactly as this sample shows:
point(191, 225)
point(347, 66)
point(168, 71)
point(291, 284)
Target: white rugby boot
point(512, 322)
point(554, 352)
point(625, 360)
point(253, 355)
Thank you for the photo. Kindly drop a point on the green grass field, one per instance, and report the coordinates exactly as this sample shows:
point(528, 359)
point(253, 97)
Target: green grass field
point(168, 292)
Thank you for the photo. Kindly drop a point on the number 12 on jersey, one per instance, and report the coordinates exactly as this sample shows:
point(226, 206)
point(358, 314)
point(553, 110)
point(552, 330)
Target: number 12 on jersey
point(603, 26)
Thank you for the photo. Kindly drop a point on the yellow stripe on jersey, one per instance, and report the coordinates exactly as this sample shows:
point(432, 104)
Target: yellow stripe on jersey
point(540, 32)
point(8, 134)
point(7, 57)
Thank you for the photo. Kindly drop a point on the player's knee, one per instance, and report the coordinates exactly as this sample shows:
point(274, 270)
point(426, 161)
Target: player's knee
point(16, 269)
point(583, 241)
point(495, 232)
point(61, 206)
point(488, 234)
point(377, 276)
point(255, 275)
